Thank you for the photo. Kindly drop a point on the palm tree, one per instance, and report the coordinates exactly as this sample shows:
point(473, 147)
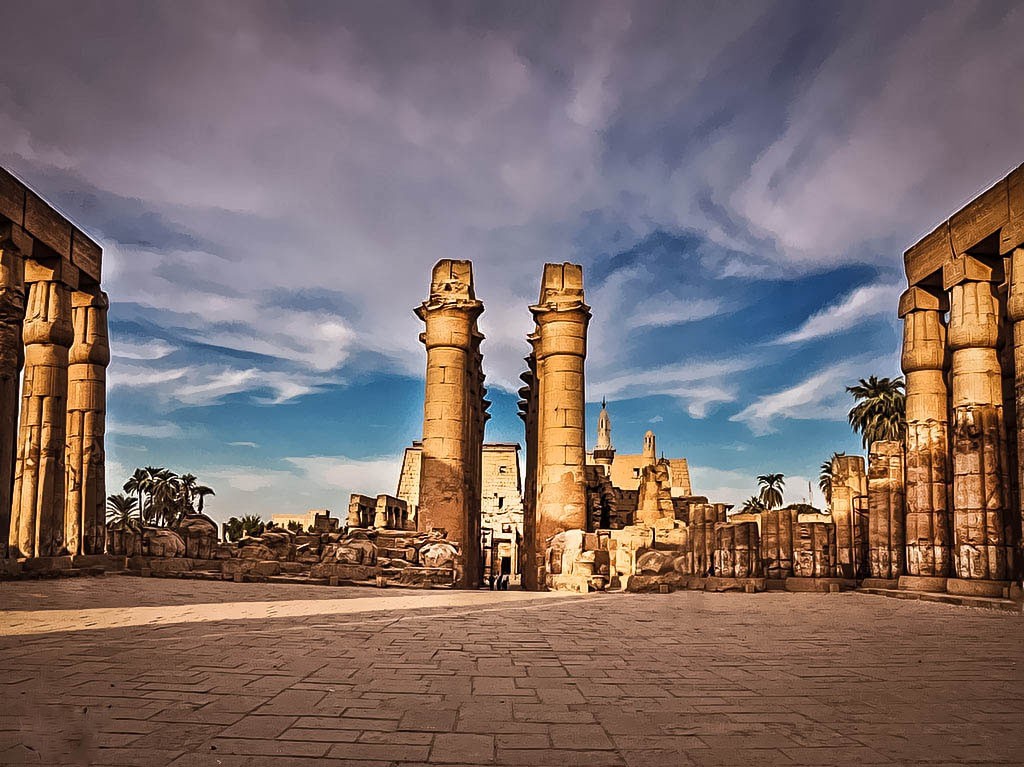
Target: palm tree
point(137, 484)
point(187, 485)
point(165, 496)
point(120, 510)
point(295, 526)
point(753, 505)
point(880, 409)
point(201, 491)
point(771, 489)
point(233, 529)
point(825, 477)
point(252, 524)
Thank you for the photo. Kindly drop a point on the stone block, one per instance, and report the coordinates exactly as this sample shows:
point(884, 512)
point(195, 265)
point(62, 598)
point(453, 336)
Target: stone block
point(922, 583)
point(978, 588)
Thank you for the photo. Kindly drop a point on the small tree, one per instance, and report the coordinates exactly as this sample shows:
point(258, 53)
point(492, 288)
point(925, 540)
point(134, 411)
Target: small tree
point(295, 526)
point(771, 489)
point(121, 510)
point(826, 476)
point(880, 412)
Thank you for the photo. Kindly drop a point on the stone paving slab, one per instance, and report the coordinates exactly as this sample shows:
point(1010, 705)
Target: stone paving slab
point(318, 676)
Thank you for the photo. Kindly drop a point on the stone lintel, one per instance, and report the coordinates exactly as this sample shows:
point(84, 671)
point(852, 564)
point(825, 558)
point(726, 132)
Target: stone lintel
point(992, 221)
point(51, 270)
point(51, 232)
point(970, 269)
point(14, 234)
point(922, 299)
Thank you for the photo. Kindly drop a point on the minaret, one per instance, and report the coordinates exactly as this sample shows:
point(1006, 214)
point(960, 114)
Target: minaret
point(604, 453)
point(650, 456)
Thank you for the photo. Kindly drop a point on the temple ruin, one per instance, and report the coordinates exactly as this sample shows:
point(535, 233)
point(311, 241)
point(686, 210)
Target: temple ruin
point(963, 356)
point(53, 340)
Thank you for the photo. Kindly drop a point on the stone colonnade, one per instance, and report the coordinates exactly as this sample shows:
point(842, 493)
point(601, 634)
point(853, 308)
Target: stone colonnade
point(454, 414)
point(963, 353)
point(53, 340)
point(552, 407)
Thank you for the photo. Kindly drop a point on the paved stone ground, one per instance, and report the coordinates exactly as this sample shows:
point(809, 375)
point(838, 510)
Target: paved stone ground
point(296, 675)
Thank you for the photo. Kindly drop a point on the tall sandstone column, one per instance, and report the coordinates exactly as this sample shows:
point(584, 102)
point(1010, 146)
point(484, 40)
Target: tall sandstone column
point(84, 518)
point(38, 509)
point(927, 443)
point(885, 510)
point(451, 440)
point(980, 549)
point(560, 348)
point(12, 313)
point(1015, 313)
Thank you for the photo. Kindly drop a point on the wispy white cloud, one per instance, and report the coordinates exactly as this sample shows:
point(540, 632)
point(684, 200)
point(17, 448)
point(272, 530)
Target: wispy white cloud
point(863, 304)
point(158, 430)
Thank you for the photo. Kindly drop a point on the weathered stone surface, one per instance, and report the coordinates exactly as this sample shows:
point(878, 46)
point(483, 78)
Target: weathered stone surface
point(454, 413)
point(885, 510)
point(12, 313)
point(37, 523)
point(199, 533)
point(439, 554)
point(979, 451)
point(737, 550)
point(849, 512)
point(256, 551)
point(158, 542)
point(814, 544)
point(654, 562)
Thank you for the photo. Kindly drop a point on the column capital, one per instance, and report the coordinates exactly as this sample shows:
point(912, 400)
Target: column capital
point(967, 268)
point(51, 270)
point(917, 299)
point(1015, 280)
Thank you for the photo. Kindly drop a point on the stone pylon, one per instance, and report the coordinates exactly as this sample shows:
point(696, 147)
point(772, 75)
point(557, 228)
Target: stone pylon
point(37, 524)
point(924, 360)
point(12, 314)
point(980, 549)
point(885, 509)
point(84, 516)
point(453, 413)
point(849, 501)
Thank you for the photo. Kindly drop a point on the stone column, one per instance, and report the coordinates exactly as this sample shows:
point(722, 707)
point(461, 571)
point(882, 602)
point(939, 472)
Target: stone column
point(849, 494)
point(1015, 314)
point(38, 509)
point(928, 462)
point(980, 548)
point(561, 349)
point(12, 313)
point(450, 315)
point(885, 510)
point(85, 502)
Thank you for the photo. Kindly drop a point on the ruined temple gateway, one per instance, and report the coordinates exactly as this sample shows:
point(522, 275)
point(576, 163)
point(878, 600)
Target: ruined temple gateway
point(53, 321)
point(963, 355)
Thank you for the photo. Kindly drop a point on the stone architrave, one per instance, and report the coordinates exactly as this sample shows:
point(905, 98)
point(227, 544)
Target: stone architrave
point(560, 350)
point(12, 313)
point(453, 413)
point(37, 524)
point(924, 361)
point(84, 517)
point(980, 549)
point(885, 509)
point(1015, 314)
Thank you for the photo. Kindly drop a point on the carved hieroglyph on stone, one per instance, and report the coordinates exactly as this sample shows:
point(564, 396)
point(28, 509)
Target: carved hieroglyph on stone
point(849, 504)
point(37, 523)
point(885, 509)
point(924, 360)
point(979, 452)
point(1015, 314)
point(12, 313)
point(454, 413)
point(84, 517)
point(555, 413)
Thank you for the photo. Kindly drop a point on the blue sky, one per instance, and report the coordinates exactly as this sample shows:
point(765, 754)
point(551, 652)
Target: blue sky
point(272, 182)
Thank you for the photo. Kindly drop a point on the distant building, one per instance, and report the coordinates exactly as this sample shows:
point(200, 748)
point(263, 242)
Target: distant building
point(626, 471)
point(501, 503)
point(307, 520)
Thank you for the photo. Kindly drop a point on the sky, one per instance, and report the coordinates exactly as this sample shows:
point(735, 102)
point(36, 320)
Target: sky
point(271, 183)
